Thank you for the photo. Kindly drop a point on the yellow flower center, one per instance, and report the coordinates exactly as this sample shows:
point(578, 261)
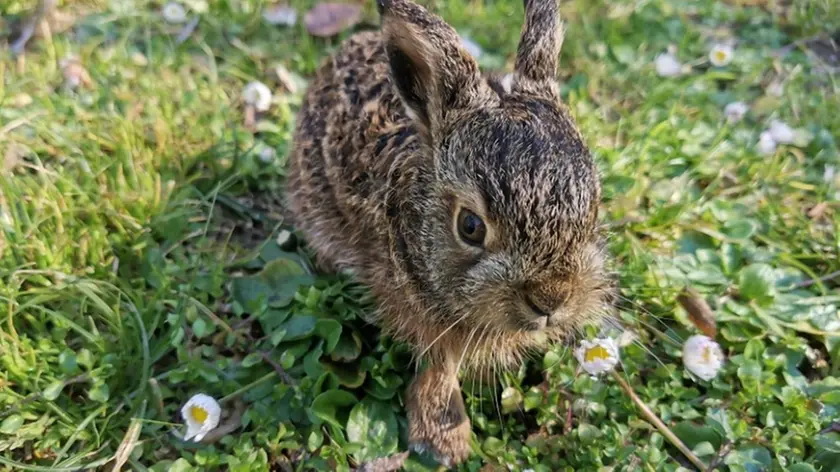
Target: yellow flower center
point(596, 353)
point(707, 354)
point(199, 414)
point(720, 56)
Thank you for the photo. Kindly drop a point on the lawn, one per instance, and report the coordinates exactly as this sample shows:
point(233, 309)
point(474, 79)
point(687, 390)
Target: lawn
point(144, 257)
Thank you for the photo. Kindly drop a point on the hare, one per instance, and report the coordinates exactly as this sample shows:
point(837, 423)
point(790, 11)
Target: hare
point(468, 205)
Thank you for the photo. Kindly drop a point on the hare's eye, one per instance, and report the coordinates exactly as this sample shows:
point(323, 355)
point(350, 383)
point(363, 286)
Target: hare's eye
point(471, 228)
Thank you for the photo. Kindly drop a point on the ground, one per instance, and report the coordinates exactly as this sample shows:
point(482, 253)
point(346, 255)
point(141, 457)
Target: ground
point(139, 224)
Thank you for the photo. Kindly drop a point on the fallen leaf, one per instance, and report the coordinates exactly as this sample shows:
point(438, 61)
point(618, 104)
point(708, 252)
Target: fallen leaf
point(698, 311)
point(385, 464)
point(285, 79)
point(818, 210)
point(329, 19)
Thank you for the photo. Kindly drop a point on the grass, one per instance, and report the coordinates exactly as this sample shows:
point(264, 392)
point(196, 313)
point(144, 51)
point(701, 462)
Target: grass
point(139, 262)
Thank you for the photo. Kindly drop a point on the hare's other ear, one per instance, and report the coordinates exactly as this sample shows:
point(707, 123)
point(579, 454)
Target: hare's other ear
point(434, 74)
point(539, 48)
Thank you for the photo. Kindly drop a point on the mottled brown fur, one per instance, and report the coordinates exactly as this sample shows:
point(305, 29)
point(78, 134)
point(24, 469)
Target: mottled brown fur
point(398, 131)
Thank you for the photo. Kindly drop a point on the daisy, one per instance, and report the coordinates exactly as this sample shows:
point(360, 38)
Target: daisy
point(735, 111)
point(597, 356)
point(781, 132)
point(721, 55)
point(766, 144)
point(282, 15)
point(667, 65)
point(257, 95)
point(201, 413)
point(174, 12)
point(702, 357)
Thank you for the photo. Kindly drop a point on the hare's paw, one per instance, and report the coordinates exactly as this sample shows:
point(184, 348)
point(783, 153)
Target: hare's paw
point(437, 420)
point(449, 446)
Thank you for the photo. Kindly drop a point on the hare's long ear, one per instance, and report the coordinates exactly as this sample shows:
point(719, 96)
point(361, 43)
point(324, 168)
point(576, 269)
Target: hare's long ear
point(434, 74)
point(539, 48)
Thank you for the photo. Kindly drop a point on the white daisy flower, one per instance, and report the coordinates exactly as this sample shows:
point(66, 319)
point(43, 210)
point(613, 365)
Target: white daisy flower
point(702, 356)
point(766, 144)
point(828, 174)
point(667, 65)
point(735, 111)
point(721, 55)
point(257, 95)
point(597, 356)
point(282, 15)
point(267, 154)
point(201, 413)
point(174, 12)
point(781, 132)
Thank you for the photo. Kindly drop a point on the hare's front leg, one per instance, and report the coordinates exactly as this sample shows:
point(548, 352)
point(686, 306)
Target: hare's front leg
point(437, 420)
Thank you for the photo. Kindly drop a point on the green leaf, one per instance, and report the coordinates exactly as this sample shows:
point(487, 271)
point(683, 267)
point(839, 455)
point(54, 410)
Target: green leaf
point(275, 285)
point(693, 434)
point(11, 424)
point(533, 398)
point(348, 348)
point(588, 433)
point(250, 292)
point(756, 282)
point(739, 229)
point(316, 438)
point(67, 362)
point(373, 425)
point(750, 374)
point(624, 53)
point(751, 458)
point(703, 449)
point(298, 327)
point(801, 467)
point(348, 375)
point(330, 330)
point(327, 406)
point(831, 398)
point(707, 274)
point(511, 400)
point(53, 390)
point(199, 328)
point(181, 465)
point(100, 392)
point(251, 360)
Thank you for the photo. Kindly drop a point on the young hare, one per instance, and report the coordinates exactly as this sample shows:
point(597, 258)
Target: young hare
point(468, 206)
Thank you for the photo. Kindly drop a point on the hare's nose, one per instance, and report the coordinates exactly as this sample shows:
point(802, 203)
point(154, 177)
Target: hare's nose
point(543, 302)
point(537, 309)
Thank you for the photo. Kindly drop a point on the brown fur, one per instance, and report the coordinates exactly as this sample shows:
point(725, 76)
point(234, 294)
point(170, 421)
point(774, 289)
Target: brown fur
point(398, 131)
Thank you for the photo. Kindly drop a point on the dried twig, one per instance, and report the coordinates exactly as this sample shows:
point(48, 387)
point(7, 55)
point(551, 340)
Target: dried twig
point(230, 425)
point(721, 455)
point(45, 7)
point(662, 427)
point(278, 368)
point(824, 278)
point(187, 31)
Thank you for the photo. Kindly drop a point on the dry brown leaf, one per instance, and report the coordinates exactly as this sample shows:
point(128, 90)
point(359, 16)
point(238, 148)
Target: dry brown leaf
point(818, 210)
point(285, 79)
point(385, 464)
point(698, 311)
point(329, 19)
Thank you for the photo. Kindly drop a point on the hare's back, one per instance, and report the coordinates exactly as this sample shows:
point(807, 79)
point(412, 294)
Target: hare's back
point(350, 129)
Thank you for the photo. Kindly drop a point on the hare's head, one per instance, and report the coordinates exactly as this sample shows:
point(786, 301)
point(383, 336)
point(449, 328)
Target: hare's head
point(499, 229)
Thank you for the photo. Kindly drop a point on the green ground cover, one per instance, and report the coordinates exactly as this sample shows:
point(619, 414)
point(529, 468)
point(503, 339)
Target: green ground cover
point(139, 262)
